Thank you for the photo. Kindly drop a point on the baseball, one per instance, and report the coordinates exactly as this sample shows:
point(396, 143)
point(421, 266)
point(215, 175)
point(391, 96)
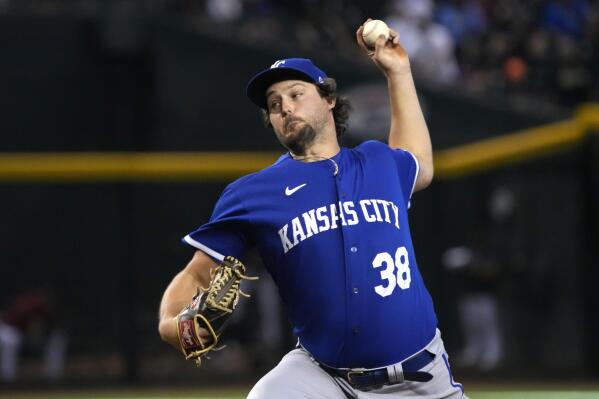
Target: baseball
point(373, 29)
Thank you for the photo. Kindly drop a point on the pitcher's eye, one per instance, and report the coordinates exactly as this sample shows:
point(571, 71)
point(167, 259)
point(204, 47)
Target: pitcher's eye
point(274, 106)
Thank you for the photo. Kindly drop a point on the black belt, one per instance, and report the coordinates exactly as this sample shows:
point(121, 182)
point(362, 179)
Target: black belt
point(394, 374)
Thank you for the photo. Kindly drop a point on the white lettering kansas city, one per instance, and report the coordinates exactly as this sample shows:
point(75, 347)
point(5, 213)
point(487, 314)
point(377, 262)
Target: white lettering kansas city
point(331, 216)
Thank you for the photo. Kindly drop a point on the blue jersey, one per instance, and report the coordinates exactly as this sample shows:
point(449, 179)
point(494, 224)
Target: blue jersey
point(334, 236)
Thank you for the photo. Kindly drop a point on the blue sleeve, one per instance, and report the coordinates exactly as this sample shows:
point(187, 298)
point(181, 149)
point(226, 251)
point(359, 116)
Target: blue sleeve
point(225, 233)
point(405, 162)
point(407, 168)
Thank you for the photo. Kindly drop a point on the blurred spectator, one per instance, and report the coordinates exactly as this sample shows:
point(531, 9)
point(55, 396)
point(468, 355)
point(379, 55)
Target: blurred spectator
point(323, 26)
point(477, 307)
point(565, 17)
point(463, 18)
point(261, 24)
point(480, 267)
point(541, 63)
point(573, 78)
point(30, 324)
point(224, 10)
point(515, 70)
point(429, 45)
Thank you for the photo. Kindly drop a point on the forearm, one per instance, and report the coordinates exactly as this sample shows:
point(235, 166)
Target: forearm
point(408, 126)
point(177, 295)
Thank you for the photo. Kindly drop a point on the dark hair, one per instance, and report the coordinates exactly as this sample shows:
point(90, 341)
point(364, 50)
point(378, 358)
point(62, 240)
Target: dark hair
point(328, 90)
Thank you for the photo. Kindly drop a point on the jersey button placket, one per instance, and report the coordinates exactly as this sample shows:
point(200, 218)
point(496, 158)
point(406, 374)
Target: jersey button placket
point(352, 262)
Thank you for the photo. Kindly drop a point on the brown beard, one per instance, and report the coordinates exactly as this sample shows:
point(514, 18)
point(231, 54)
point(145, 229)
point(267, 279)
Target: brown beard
point(300, 141)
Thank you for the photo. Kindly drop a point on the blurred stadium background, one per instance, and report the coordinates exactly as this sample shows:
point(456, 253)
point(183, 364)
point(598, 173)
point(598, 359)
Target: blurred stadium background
point(122, 120)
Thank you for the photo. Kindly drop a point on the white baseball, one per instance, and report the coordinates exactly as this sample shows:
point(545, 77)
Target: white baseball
point(373, 30)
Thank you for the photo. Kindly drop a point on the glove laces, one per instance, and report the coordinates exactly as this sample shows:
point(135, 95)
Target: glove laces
point(223, 294)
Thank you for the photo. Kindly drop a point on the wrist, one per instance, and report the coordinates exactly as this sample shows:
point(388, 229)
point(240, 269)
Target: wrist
point(400, 72)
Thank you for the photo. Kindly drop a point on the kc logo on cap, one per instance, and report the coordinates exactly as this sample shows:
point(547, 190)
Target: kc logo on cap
point(277, 64)
point(286, 69)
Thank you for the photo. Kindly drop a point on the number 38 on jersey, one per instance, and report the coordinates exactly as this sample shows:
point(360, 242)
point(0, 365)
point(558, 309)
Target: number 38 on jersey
point(396, 271)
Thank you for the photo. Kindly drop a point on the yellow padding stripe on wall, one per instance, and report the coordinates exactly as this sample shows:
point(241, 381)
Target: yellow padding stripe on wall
point(524, 145)
point(502, 150)
point(221, 166)
point(131, 166)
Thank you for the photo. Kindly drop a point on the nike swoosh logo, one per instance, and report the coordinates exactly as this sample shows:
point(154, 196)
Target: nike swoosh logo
point(290, 191)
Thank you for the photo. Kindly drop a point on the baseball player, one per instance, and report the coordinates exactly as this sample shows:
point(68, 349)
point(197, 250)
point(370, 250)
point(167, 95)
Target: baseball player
point(331, 225)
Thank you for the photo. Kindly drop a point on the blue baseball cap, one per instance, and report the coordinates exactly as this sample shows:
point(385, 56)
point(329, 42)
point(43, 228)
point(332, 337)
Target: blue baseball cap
point(289, 68)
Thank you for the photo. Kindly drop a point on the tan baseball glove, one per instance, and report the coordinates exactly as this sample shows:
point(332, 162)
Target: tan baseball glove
point(210, 309)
